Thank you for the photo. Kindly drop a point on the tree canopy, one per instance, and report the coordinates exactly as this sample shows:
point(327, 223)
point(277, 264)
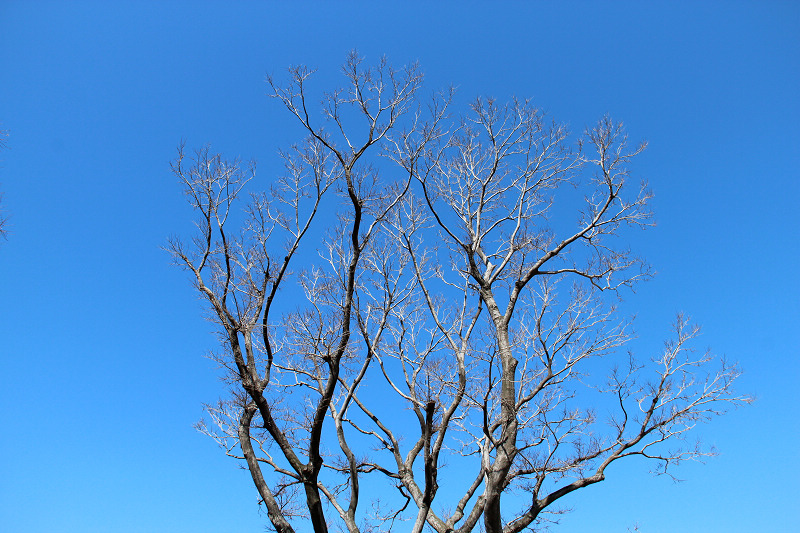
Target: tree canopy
point(417, 320)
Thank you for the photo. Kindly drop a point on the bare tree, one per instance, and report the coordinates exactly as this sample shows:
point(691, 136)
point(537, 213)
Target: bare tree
point(445, 323)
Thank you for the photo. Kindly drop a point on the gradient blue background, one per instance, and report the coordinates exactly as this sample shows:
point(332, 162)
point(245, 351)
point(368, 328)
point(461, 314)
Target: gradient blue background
point(101, 340)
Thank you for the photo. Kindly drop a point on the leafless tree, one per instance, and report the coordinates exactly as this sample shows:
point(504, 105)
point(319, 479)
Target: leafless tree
point(415, 303)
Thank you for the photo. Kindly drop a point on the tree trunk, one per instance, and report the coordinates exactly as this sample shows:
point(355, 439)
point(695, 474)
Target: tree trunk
point(314, 503)
point(507, 443)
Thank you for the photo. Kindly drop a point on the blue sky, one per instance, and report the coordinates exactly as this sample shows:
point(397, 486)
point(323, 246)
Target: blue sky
point(102, 341)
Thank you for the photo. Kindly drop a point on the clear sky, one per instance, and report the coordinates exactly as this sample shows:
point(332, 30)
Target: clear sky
point(102, 340)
